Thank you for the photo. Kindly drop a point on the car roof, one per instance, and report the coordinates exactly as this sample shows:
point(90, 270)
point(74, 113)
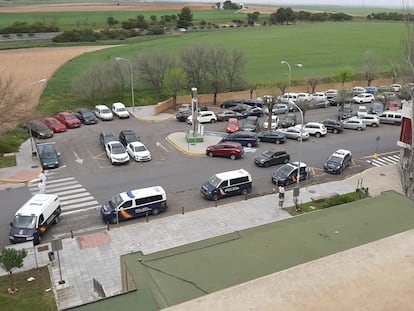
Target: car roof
point(230, 143)
point(341, 152)
point(136, 144)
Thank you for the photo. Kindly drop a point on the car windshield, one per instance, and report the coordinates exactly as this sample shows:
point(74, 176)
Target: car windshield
point(335, 159)
point(214, 181)
point(130, 137)
point(48, 155)
point(69, 117)
point(267, 153)
point(115, 201)
point(26, 222)
point(139, 148)
point(285, 170)
point(54, 122)
point(105, 111)
point(232, 123)
point(87, 114)
point(117, 149)
point(121, 109)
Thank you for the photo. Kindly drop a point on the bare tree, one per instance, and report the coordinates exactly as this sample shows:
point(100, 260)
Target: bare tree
point(304, 105)
point(313, 82)
point(174, 81)
point(370, 70)
point(344, 75)
point(195, 62)
point(217, 61)
point(234, 68)
point(13, 100)
point(282, 86)
point(152, 66)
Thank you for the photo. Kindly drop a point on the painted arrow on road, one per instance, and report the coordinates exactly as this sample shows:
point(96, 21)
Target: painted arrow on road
point(160, 145)
point(78, 160)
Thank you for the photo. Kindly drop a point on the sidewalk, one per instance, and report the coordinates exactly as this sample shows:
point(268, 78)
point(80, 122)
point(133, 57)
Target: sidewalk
point(96, 256)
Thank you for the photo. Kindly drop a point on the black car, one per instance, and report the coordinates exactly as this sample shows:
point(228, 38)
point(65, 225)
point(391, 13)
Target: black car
point(182, 116)
point(106, 137)
point(127, 136)
point(228, 104)
point(38, 129)
point(85, 116)
point(275, 137)
point(339, 160)
point(287, 174)
point(333, 126)
point(248, 139)
point(240, 108)
point(250, 124)
point(255, 111)
point(289, 120)
point(272, 157)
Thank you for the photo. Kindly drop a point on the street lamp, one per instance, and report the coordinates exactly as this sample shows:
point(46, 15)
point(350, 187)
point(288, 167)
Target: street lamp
point(132, 79)
point(283, 62)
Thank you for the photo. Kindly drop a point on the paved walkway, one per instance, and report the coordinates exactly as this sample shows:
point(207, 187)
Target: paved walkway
point(96, 256)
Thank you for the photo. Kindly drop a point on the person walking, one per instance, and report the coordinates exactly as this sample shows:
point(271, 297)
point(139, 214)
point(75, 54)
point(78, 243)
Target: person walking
point(42, 180)
point(41, 187)
point(281, 196)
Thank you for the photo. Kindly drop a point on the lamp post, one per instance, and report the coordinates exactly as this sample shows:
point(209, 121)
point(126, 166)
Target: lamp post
point(41, 81)
point(132, 79)
point(283, 62)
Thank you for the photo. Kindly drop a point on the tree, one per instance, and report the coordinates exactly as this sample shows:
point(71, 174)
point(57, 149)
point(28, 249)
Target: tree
point(195, 63)
point(344, 75)
point(304, 105)
point(253, 17)
point(234, 68)
point(13, 99)
point(313, 82)
point(153, 66)
point(111, 21)
point(11, 259)
point(217, 59)
point(369, 69)
point(283, 16)
point(185, 18)
point(174, 81)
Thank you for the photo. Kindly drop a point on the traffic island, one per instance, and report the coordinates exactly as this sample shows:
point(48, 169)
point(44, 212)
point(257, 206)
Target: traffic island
point(193, 138)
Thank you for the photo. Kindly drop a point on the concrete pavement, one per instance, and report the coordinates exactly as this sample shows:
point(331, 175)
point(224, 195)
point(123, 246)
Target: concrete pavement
point(96, 256)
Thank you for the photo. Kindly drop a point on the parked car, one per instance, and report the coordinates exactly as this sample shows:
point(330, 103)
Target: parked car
point(230, 103)
point(333, 126)
point(272, 157)
point(318, 96)
point(55, 125)
point(345, 111)
point(294, 133)
point(182, 116)
point(226, 114)
point(85, 116)
point(106, 137)
point(370, 120)
point(376, 108)
point(248, 139)
point(354, 124)
point(250, 124)
point(185, 107)
point(303, 97)
point(116, 153)
point(48, 156)
point(280, 109)
point(288, 97)
point(338, 161)
point(227, 149)
point(274, 125)
point(288, 121)
point(241, 108)
point(363, 98)
point(138, 151)
point(232, 125)
point(362, 110)
point(68, 119)
point(38, 129)
point(253, 102)
point(395, 87)
point(313, 128)
point(204, 117)
point(331, 95)
point(120, 111)
point(287, 174)
point(358, 90)
point(371, 89)
point(102, 112)
point(127, 136)
point(318, 103)
point(275, 137)
point(255, 111)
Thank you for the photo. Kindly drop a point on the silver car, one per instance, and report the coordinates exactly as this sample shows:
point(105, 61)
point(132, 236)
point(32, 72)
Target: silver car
point(294, 133)
point(354, 124)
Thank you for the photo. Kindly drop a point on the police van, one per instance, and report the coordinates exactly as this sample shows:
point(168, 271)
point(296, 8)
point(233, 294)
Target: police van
point(34, 218)
point(134, 203)
point(227, 184)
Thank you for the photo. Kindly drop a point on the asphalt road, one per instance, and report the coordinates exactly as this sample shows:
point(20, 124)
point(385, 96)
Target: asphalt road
point(181, 175)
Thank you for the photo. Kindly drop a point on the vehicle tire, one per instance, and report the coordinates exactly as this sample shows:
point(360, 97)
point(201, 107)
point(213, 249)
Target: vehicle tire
point(38, 240)
point(277, 142)
point(215, 197)
point(213, 121)
point(155, 211)
point(298, 139)
point(232, 157)
point(56, 220)
point(359, 128)
point(374, 124)
point(266, 164)
point(249, 145)
point(113, 221)
point(335, 131)
point(340, 170)
point(317, 134)
point(244, 192)
point(285, 161)
point(210, 154)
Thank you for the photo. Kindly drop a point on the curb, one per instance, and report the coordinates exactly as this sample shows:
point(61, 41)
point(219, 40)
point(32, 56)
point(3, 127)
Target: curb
point(183, 150)
point(154, 120)
point(13, 181)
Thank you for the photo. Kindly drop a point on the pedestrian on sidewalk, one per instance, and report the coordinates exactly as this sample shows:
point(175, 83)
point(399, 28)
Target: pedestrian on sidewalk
point(281, 196)
point(41, 187)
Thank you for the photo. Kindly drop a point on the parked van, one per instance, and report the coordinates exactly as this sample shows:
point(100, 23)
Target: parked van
point(227, 184)
point(391, 117)
point(134, 203)
point(102, 112)
point(120, 111)
point(34, 218)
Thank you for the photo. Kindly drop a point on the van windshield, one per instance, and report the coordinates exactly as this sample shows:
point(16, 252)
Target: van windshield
point(214, 181)
point(115, 201)
point(24, 222)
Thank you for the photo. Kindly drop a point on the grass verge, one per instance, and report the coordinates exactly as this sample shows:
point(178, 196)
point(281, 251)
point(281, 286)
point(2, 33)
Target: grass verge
point(35, 295)
point(7, 161)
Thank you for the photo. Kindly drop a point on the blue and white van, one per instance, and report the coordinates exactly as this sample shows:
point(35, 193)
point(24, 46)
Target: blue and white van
point(134, 203)
point(227, 184)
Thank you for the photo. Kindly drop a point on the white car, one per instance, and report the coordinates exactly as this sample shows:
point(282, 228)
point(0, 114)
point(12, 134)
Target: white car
point(102, 112)
point(370, 119)
point(364, 98)
point(303, 97)
point(280, 108)
point(354, 124)
point(395, 87)
point(138, 151)
point(358, 90)
point(362, 110)
point(318, 96)
point(116, 153)
point(313, 128)
point(288, 97)
point(203, 117)
point(331, 93)
point(275, 122)
point(294, 133)
point(119, 110)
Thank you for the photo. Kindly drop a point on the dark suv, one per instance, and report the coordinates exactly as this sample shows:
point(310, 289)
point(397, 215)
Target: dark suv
point(248, 139)
point(230, 103)
point(128, 136)
point(333, 126)
point(250, 124)
point(106, 137)
point(339, 160)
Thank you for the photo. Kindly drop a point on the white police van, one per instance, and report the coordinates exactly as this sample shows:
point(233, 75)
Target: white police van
point(227, 184)
point(34, 218)
point(134, 203)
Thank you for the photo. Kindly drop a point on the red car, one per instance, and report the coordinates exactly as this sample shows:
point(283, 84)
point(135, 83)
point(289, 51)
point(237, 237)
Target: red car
point(232, 125)
point(54, 125)
point(230, 150)
point(68, 119)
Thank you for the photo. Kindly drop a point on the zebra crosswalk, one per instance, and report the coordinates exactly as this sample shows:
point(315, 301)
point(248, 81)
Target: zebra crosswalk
point(385, 160)
point(74, 198)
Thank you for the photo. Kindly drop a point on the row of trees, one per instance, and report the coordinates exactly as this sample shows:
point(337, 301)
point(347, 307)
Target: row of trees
point(287, 15)
point(391, 16)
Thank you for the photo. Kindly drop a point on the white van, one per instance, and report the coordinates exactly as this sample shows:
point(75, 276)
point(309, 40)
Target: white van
point(134, 203)
point(102, 112)
point(120, 111)
point(227, 184)
point(34, 218)
point(391, 117)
